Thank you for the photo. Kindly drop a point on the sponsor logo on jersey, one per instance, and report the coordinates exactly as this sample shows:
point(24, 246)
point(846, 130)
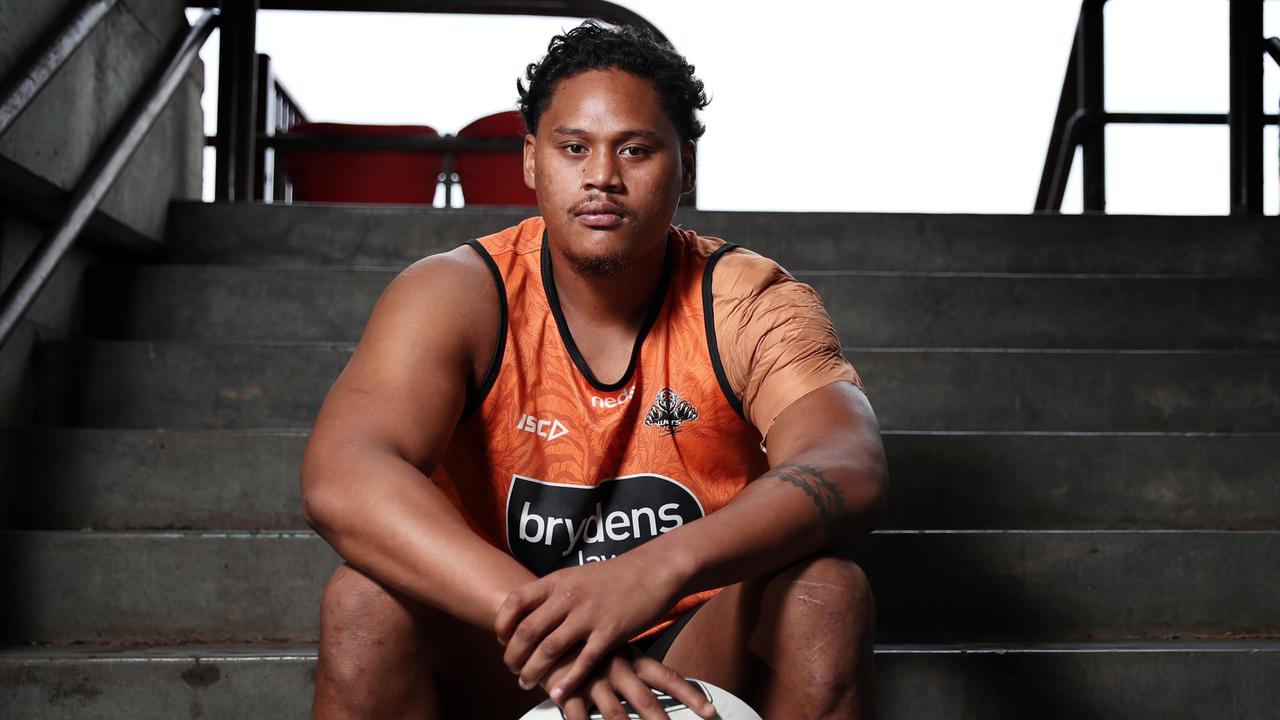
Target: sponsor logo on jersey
point(669, 411)
point(551, 526)
point(611, 402)
point(549, 428)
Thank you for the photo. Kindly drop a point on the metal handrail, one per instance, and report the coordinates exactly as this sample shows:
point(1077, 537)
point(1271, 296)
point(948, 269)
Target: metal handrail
point(30, 78)
point(128, 134)
point(1081, 119)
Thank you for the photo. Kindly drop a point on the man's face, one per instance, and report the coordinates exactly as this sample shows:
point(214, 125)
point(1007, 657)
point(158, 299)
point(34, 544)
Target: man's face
point(608, 168)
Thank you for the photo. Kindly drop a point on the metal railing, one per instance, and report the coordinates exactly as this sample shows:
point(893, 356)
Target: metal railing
point(1081, 118)
point(125, 138)
point(240, 148)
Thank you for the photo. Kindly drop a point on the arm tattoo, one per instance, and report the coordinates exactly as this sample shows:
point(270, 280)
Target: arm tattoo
point(824, 493)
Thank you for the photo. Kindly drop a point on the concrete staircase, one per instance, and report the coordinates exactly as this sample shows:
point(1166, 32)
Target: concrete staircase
point(1082, 416)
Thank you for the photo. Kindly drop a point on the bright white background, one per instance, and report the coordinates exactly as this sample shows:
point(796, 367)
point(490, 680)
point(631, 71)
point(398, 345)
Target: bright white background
point(844, 105)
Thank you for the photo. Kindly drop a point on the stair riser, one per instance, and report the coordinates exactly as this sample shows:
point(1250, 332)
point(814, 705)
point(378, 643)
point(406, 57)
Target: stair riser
point(213, 303)
point(218, 587)
point(264, 233)
point(246, 386)
point(924, 686)
point(71, 479)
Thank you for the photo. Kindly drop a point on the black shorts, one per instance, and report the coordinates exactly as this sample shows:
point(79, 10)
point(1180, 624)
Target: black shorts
point(656, 646)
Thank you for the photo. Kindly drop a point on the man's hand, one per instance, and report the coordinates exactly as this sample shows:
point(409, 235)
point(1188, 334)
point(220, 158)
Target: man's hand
point(627, 674)
point(599, 604)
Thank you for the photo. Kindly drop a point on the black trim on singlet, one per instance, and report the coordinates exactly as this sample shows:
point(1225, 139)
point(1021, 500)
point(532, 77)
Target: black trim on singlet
point(490, 377)
point(655, 307)
point(708, 316)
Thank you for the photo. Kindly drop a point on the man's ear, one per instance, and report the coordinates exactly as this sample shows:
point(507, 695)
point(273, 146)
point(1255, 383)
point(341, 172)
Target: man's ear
point(689, 166)
point(530, 144)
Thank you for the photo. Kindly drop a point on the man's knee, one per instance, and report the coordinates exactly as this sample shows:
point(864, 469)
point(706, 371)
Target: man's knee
point(825, 602)
point(366, 631)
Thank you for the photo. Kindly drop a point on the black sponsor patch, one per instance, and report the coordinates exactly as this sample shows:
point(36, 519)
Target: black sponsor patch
point(552, 526)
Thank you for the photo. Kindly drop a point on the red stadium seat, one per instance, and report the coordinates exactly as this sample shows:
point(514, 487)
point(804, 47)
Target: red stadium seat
point(363, 176)
point(494, 178)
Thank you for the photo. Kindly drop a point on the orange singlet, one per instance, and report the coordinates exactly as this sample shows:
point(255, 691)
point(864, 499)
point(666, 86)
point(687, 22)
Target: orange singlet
point(558, 469)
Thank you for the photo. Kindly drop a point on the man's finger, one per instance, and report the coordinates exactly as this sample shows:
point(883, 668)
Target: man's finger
point(547, 654)
point(663, 678)
point(519, 602)
point(639, 695)
point(575, 708)
point(529, 634)
point(606, 700)
point(587, 661)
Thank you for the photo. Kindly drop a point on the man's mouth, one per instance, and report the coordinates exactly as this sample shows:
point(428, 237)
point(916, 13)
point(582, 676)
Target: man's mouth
point(600, 214)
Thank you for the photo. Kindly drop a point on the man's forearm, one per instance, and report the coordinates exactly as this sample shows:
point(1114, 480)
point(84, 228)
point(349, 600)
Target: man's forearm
point(386, 518)
point(799, 508)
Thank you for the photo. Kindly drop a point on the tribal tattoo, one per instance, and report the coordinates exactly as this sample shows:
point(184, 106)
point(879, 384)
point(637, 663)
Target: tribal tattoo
point(825, 494)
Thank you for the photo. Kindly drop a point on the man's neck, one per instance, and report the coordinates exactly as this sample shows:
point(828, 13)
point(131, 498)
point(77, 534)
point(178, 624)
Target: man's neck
point(622, 301)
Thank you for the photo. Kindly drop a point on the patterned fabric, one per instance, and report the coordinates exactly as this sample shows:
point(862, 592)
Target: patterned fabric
point(558, 469)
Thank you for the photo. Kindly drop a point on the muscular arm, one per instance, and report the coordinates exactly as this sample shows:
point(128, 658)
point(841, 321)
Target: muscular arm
point(384, 427)
point(825, 488)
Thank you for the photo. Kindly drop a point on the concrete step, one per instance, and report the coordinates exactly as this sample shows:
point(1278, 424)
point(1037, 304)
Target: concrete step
point(237, 304)
point(931, 586)
point(255, 233)
point(151, 479)
point(243, 480)
point(281, 385)
point(924, 682)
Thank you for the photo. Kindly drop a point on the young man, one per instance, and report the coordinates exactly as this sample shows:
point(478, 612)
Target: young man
point(596, 385)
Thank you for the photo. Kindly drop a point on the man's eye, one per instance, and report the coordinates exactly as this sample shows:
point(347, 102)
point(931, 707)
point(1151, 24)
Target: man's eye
point(635, 150)
point(575, 149)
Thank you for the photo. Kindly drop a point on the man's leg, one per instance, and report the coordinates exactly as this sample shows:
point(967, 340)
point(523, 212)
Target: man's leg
point(383, 655)
point(794, 644)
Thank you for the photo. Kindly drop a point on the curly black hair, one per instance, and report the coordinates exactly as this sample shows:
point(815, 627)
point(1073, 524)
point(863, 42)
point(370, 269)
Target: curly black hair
point(593, 46)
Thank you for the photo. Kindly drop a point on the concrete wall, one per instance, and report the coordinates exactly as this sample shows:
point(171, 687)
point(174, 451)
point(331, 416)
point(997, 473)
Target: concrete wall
point(48, 148)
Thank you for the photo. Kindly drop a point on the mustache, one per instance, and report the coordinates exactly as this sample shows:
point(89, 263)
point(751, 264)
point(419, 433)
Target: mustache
point(598, 197)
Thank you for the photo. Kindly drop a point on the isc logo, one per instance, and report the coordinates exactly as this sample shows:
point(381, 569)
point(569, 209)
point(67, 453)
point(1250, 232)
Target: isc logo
point(549, 429)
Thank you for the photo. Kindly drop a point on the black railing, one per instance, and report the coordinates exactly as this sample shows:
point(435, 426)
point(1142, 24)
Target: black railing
point(1082, 119)
point(240, 148)
point(125, 138)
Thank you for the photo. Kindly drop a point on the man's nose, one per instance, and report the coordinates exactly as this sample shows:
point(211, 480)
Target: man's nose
point(600, 171)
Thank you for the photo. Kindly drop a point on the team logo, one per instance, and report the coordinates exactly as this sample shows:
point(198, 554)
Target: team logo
point(669, 411)
point(551, 526)
point(549, 428)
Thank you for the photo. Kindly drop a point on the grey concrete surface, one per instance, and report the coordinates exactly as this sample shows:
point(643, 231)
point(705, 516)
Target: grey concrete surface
point(1056, 682)
point(56, 314)
point(147, 479)
point(67, 123)
point(939, 586)
point(237, 304)
point(108, 479)
point(398, 235)
point(264, 385)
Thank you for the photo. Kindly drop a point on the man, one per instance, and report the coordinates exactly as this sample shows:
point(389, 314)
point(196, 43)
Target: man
point(548, 443)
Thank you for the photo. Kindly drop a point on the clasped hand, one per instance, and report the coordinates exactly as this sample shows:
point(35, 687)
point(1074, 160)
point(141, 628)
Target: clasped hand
point(599, 605)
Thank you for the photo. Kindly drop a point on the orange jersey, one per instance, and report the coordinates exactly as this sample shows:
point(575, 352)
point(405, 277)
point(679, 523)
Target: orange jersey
point(558, 469)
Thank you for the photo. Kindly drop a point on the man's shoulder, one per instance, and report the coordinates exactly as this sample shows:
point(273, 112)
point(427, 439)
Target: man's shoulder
point(522, 238)
point(740, 272)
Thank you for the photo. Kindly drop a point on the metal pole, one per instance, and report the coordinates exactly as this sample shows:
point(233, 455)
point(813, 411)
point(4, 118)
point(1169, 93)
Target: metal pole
point(245, 90)
point(1059, 156)
point(224, 143)
point(1091, 101)
point(1245, 115)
